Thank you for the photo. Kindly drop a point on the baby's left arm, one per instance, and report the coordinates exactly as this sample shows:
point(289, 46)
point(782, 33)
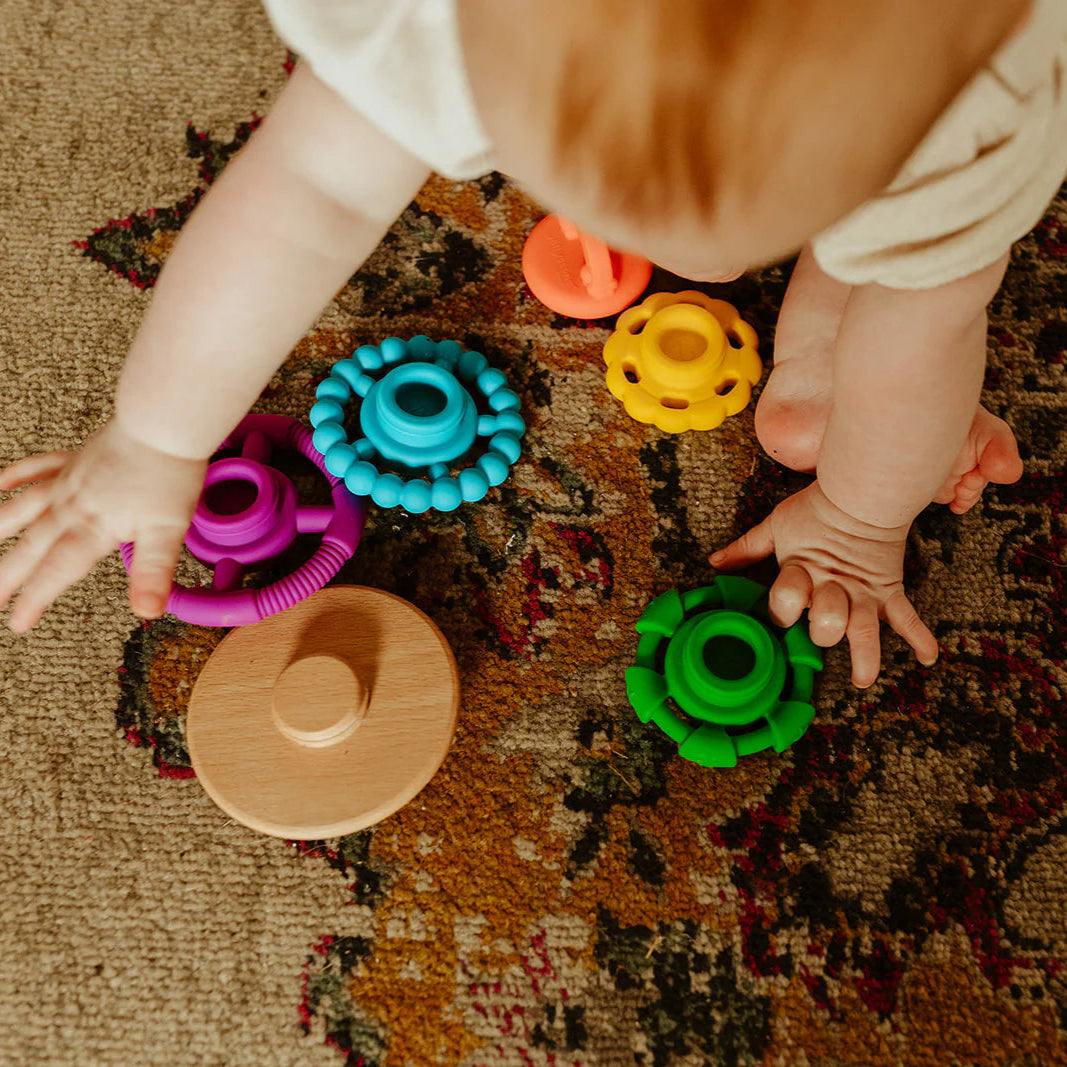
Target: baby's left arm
point(908, 369)
point(289, 220)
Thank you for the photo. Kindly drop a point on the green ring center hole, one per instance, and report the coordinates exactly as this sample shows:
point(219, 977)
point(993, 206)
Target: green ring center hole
point(729, 658)
point(420, 399)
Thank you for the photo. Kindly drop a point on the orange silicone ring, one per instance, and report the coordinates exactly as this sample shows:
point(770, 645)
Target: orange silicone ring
point(577, 275)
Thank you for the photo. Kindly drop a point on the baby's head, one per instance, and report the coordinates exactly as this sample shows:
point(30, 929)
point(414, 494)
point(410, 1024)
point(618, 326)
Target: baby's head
point(712, 135)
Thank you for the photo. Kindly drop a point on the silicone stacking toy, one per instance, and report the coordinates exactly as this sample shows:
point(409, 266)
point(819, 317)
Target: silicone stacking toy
point(575, 274)
point(420, 417)
point(325, 719)
point(682, 361)
point(718, 677)
point(249, 513)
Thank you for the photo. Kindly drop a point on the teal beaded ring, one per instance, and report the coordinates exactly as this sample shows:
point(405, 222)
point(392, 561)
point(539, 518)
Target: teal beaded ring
point(427, 408)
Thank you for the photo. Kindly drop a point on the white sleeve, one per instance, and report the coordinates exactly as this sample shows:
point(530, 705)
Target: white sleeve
point(980, 180)
point(400, 65)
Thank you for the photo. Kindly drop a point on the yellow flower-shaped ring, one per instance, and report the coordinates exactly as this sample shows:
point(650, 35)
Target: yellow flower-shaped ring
point(682, 361)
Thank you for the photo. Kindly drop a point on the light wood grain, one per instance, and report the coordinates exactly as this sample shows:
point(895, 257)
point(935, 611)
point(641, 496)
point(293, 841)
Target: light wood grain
point(326, 718)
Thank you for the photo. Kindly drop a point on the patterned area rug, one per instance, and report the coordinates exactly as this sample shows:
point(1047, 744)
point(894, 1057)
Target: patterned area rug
point(567, 891)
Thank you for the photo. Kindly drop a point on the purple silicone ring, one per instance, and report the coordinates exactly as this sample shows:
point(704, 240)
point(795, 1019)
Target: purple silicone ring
point(261, 528)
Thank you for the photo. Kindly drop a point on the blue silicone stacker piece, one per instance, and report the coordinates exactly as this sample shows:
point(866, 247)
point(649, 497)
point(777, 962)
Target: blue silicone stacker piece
point(420, 415)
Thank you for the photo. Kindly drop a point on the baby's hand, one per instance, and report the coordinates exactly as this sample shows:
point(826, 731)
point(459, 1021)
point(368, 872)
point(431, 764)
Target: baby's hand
point(848, 574)
point(81, 506)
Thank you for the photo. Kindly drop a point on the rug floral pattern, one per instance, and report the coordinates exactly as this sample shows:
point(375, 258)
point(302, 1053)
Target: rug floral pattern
point(567, 891)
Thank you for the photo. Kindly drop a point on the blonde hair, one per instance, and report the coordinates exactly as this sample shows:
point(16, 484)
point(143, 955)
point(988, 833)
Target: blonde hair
point(667, 105)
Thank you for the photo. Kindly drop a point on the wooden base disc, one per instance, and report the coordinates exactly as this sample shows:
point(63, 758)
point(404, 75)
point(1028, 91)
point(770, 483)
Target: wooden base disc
point(326, 718)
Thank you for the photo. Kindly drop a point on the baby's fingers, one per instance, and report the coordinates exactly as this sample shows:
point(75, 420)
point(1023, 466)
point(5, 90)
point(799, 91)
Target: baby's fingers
point(751, 547)
point(24, 509)
point(829, 614)
point(155, 555)
point(900, 614)
point(789, 595)
point(70, 558)
point(33, 469)
point(24, 558)
point(864, 642)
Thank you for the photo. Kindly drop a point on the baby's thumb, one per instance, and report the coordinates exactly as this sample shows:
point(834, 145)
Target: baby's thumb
point(155, 555)
point(750, 547)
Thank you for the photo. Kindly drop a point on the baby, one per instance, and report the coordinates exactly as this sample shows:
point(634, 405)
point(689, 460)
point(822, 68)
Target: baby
point(901, 146)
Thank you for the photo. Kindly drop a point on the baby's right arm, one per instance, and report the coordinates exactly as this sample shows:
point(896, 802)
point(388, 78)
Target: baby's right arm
point(278, 234)
point(907, 375)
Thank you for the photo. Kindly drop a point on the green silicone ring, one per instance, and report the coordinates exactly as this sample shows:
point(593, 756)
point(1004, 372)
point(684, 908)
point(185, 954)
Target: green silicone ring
point(724, 667)
point(717, 676)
